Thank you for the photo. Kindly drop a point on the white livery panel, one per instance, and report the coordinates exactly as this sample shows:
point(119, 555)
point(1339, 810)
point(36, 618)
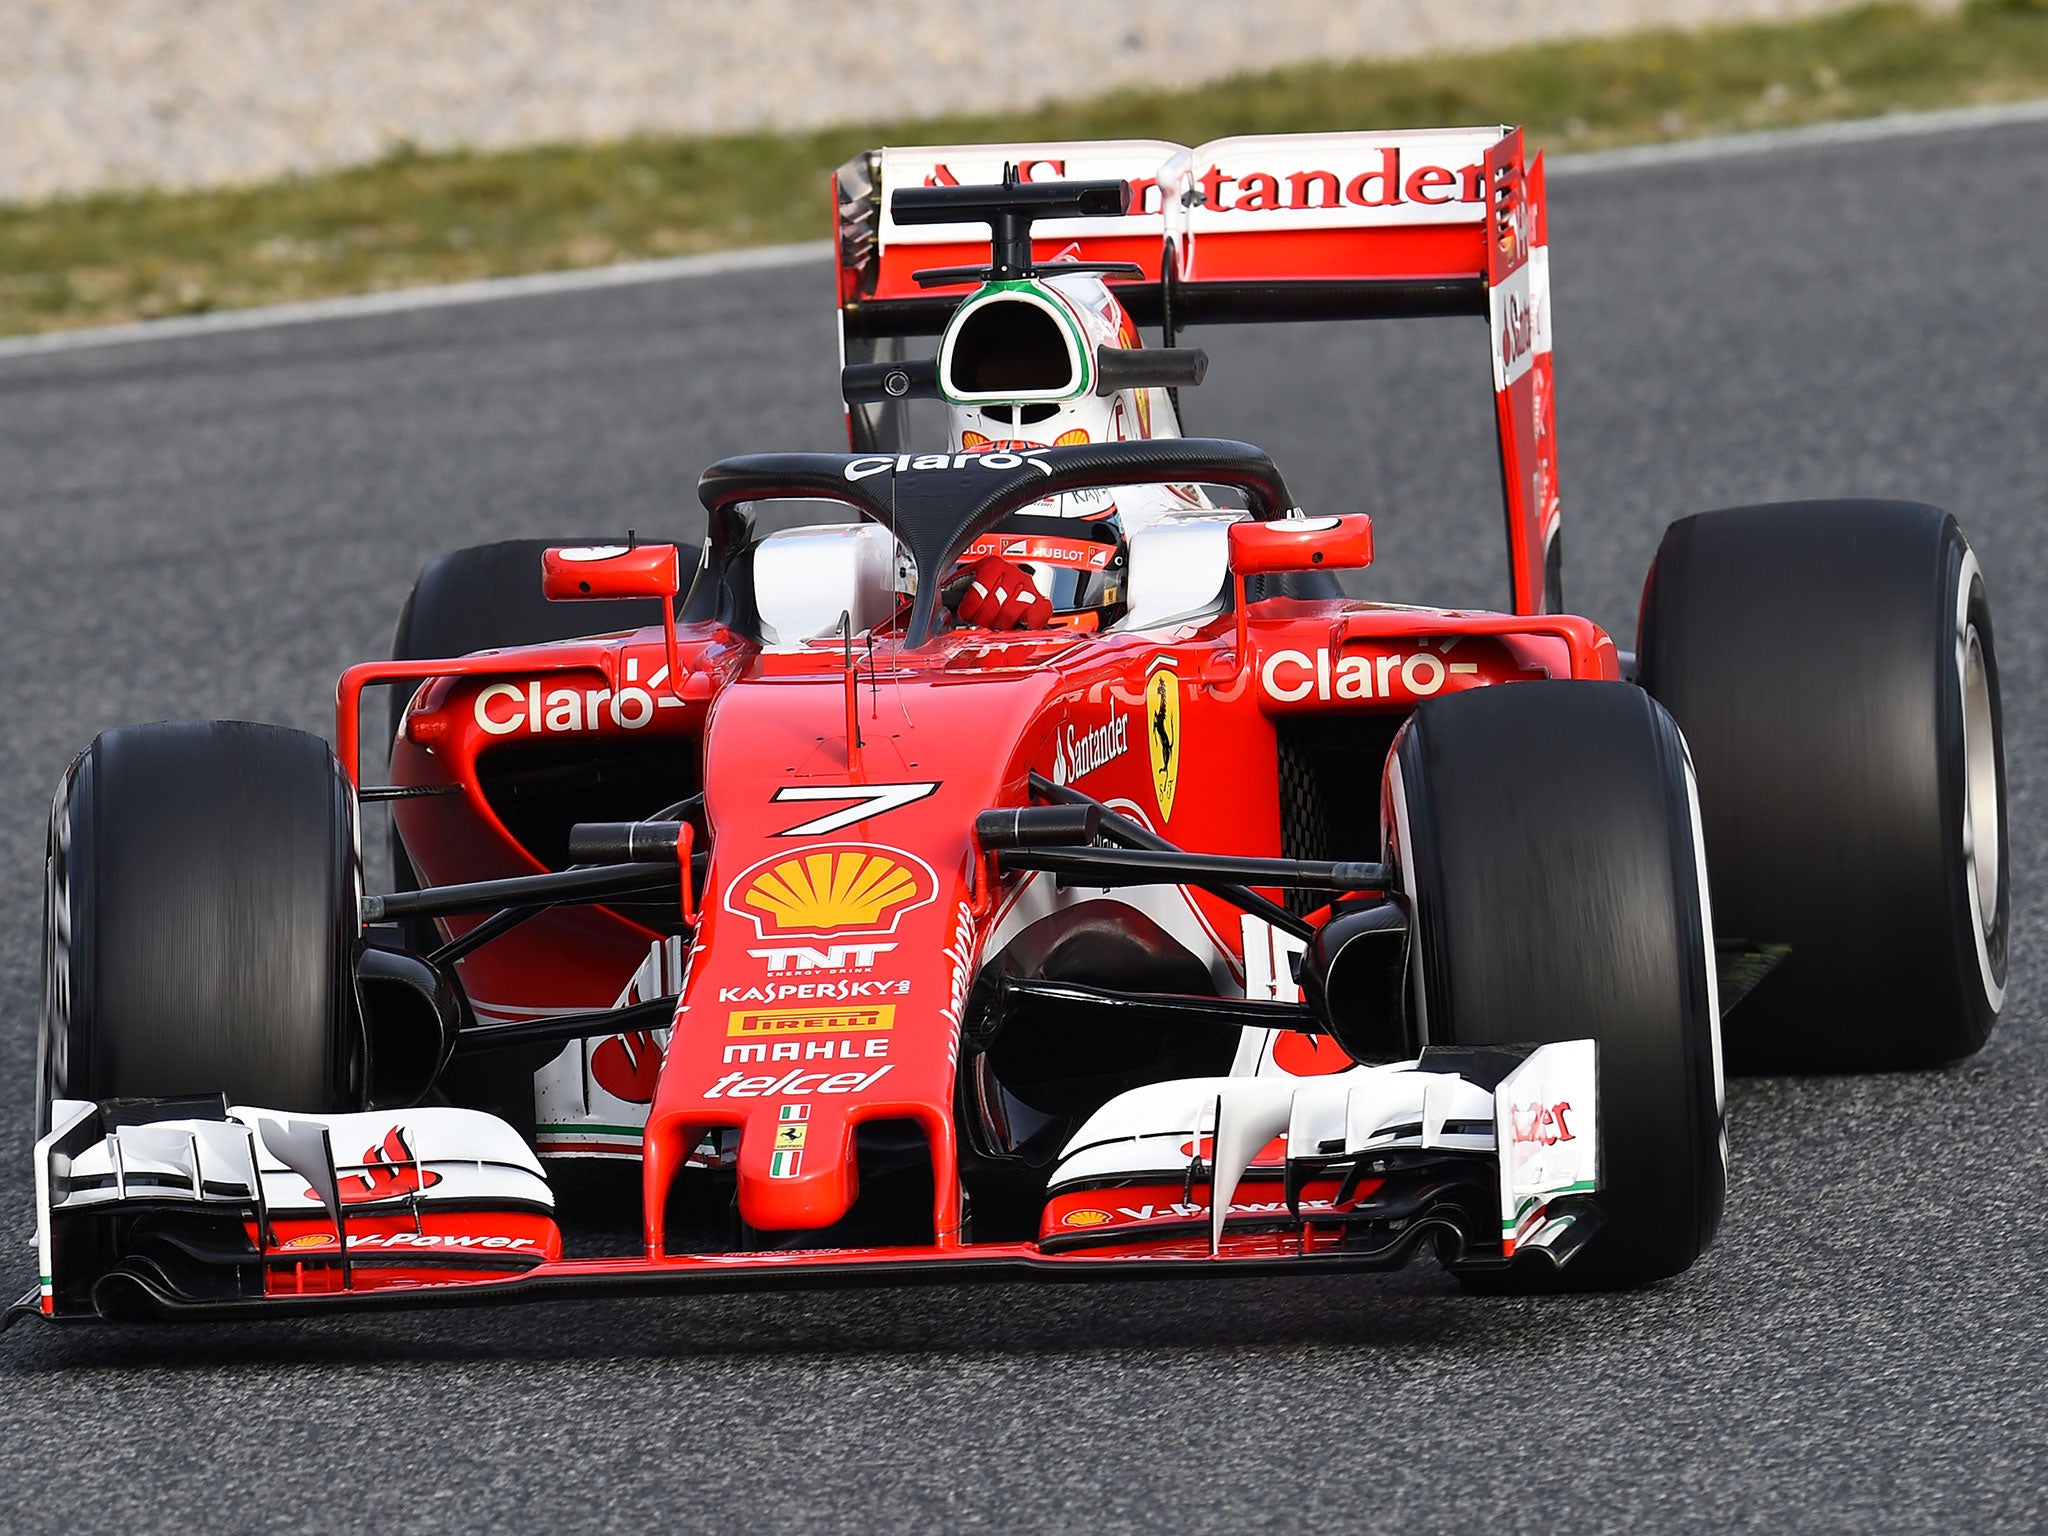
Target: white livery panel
point(1539, 1125)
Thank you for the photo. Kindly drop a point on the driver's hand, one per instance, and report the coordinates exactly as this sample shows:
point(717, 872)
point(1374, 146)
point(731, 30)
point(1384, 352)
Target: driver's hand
point(1000, 595)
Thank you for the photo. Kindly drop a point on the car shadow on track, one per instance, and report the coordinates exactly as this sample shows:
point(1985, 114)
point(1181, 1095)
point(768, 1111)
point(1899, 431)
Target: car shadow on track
point(1417, 1310)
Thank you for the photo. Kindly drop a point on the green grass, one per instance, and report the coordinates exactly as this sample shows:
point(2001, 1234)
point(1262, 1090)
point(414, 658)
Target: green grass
point(424, 218)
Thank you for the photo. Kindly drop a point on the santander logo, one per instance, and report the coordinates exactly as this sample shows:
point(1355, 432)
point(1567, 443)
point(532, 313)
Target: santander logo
point(1077, 753)
point(1385, 178)
point(1335, 180)
point(1381, 182)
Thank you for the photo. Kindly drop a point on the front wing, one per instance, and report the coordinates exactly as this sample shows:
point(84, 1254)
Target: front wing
point(181, 1209)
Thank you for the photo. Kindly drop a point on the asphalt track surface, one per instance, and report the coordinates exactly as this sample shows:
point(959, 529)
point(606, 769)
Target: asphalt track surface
point(213, 527)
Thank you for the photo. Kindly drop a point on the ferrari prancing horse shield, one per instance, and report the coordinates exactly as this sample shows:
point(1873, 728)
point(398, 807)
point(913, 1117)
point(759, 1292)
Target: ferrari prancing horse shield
point(1162, 733)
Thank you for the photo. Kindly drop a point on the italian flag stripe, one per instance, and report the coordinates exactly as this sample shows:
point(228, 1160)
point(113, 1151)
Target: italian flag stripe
point(591, 1128)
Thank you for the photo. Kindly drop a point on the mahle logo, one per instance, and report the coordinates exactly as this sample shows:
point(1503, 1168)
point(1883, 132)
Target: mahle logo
point(833, 888)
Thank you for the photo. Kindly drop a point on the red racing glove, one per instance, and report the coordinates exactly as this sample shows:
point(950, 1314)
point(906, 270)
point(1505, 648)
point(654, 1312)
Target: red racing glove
point(1000, 595)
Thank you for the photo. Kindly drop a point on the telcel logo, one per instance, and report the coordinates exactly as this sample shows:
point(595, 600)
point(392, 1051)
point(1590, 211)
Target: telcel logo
point(793, 1085)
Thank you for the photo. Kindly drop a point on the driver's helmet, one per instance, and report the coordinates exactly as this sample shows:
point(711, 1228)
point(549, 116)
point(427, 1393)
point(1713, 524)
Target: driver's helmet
point(1079, 563)
point(985, 426)
point(1016, 366)
point(1073, 545)
point(1016, 374)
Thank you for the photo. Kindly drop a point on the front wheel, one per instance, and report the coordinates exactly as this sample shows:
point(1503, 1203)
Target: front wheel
point(1548, 839)
point(201, 921)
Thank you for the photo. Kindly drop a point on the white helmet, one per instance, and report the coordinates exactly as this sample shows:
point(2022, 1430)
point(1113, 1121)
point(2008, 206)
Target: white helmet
point(1017, 368)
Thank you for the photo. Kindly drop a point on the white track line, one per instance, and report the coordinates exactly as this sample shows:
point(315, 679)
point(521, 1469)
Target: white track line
point(489, 290)
point(484, 290)
point(1856, 130)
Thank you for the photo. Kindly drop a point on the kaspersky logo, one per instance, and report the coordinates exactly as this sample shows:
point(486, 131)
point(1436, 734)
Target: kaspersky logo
point(831, 888)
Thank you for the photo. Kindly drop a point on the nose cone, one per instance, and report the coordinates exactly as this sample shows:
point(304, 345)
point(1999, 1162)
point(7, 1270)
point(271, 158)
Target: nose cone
point(777, 1189)
point(837, 939)
point(797, 1168)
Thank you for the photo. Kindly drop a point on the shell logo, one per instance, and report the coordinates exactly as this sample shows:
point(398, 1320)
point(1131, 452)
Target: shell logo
point(831, 888)
point(1086, 1217)
point(308, 1240)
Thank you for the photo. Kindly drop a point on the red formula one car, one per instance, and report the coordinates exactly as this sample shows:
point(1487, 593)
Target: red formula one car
point(1025, 858)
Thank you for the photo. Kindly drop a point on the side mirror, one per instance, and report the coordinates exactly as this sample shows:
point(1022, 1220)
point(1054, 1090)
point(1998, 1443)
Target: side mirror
point(570, 574)
point(1294, 544)
point(573, 574)
point(1301, 544)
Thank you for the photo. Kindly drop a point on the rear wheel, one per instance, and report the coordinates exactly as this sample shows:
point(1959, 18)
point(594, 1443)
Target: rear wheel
point(1546, 836)
point(1832, 666)
point(201, 921)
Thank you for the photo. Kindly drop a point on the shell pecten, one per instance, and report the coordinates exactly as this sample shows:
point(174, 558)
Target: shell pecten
point(825, 890)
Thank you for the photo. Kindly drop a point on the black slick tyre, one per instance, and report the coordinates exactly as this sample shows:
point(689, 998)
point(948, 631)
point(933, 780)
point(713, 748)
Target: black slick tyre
point(201, 921)
point(1546, 838)
point(1832, 666)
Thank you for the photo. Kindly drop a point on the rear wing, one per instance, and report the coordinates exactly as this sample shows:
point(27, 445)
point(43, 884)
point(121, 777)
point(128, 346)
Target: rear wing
point(1350, 226)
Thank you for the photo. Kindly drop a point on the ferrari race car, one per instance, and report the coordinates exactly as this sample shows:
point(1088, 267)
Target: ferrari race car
point(1017, 854)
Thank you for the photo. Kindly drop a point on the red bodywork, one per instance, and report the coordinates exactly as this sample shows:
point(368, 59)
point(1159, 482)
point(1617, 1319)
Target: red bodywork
point(973, 714)
point(826, 982)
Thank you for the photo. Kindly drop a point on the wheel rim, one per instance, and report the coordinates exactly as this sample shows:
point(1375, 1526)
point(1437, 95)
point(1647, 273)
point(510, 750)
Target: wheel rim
point(1980, 783)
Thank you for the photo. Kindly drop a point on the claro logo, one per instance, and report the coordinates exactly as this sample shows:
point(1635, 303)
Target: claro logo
point(1291, 676)
point(904, 463)
point(504, 709)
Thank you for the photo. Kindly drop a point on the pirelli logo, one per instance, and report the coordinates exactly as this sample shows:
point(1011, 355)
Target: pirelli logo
point(800, 1023)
